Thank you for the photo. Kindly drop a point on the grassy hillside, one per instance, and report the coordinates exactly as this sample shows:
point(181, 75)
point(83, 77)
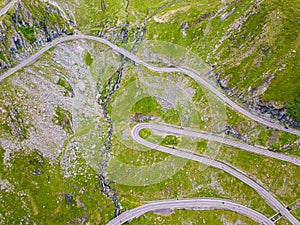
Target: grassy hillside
point(53, 131)
point(252, 45)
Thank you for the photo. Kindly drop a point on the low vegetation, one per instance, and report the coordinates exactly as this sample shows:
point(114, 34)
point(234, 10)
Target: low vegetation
point(194, 217)
point(35, 188)
point(245, 41)
point(294, 108)
point(145, 133)
point(66, 85)
point(170, 140)
point(28, 33)
point(63, 118)
point(88, 58)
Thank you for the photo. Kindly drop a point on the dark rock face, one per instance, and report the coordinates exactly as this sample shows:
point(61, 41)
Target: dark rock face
point(17, 42)
point(268, 109)
point(205, 16)
point(69, 199)
point(234, 132)
point(258, 106)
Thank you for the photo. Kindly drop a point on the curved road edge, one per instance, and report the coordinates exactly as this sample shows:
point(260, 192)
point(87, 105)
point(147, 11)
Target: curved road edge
point(7, 7)
point(193, 204)
point(157, 69)
point(176, 130)
point(267, 196)
point(137, 60)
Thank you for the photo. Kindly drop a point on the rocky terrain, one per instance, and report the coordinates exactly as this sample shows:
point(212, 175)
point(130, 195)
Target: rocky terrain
point(270, 109)
point(26, 27)
point(58, 133)
point(245, 61)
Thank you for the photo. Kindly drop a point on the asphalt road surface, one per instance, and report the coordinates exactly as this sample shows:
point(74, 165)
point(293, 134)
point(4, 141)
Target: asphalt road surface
point(175, 130)
point(134, 58)
point(194, 204)
point(7, 7)
point(268, 197)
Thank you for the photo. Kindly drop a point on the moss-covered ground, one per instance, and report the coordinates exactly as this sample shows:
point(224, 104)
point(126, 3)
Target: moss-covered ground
point(246, 53)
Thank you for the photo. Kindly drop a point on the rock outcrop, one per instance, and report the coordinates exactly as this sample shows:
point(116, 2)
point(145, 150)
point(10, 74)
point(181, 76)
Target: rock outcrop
point(270, 109)
point(26, 27)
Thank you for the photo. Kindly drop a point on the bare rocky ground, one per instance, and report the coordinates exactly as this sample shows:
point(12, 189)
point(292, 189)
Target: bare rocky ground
point(38, 96)
point(169, 91)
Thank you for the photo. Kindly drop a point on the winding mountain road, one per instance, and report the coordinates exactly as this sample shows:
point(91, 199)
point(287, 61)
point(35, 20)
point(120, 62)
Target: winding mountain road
point(134, 58)
point(194, 204)
point(268, 197)
point(185, 154)
point(176, 130)
point(137, 60)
